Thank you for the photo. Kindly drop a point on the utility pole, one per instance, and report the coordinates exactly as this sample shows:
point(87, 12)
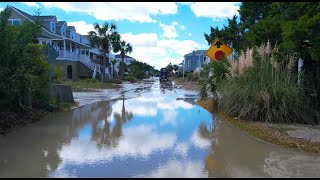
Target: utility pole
point(183, 70)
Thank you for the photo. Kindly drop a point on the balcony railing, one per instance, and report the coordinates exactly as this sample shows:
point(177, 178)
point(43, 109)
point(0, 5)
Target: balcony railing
point(73, 55)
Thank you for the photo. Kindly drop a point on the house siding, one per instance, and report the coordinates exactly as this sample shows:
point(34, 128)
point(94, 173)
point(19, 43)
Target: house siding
point(15, 15)
point(57, 40)
point(64, 64)
point(194, 58)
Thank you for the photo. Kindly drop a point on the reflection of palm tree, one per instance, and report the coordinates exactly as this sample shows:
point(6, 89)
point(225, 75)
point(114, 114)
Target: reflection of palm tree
point(120, 120)
point(108, 136)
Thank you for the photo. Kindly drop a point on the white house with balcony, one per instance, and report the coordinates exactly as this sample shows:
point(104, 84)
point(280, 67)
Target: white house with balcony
point(75, 55)
point(127, 60)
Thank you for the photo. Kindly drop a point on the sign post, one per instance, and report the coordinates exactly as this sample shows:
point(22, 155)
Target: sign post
point(218, 50)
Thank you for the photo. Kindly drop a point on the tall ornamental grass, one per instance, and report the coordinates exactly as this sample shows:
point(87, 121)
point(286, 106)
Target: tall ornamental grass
point(260, 89)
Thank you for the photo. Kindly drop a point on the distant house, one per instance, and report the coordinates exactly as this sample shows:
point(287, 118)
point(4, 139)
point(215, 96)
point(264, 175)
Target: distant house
point(180, 70)
point(127, 59)
point(194, 60)
point(75, 55)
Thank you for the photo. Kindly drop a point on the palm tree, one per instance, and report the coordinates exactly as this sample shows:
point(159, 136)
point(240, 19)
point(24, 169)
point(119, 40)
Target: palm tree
point(104, 37)
point(124, 49)
point(113, 62)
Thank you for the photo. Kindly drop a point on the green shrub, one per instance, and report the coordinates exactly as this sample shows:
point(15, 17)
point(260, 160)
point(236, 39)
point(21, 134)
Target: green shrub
point(264, 92)
point(130, 78)
point(213, 74)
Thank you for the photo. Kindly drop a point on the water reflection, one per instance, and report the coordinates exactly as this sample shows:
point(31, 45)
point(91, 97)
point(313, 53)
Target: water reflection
point(234, 154)
point(153, 135)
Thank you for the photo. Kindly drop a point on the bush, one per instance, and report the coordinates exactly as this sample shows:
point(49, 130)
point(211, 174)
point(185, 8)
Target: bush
point(115, 81)
point(264, 92)
point(130, 78)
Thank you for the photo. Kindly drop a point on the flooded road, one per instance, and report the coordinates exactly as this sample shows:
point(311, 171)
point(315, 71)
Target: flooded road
point(146, 132)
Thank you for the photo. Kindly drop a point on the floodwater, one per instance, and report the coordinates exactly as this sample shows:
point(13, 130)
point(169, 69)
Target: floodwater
point(145, 133)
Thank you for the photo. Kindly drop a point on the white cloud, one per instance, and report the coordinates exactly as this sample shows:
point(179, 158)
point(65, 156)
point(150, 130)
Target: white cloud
point(169, 31)
point(185, 3)
point(215, 10)
point(141, 40)
point(33, 4)
point(81, 27)
point(1, 9)
point(170, 117)
point(189, 34)
point(132, 11)
point(182, 27)
point(141, 106)
point(199, 141)
point(175, 169)
point(137, 141)
point(147, 47)
point(182, 149)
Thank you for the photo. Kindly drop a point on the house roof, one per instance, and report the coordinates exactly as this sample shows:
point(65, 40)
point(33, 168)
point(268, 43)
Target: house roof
point(33, 18)
point(70, 27)
point(25, 14)
point(196, 53)
point(60, 23)
point(125, 56)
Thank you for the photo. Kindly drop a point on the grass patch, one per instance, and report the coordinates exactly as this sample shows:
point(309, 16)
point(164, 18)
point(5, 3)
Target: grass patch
point(261, 131)
point(84, 85)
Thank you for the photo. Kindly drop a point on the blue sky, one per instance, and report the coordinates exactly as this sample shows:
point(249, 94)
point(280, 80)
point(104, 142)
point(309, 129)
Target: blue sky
point(160, 32)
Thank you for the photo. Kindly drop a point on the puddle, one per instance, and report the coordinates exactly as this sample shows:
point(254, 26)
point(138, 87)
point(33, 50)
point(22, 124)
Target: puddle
point(144, 134)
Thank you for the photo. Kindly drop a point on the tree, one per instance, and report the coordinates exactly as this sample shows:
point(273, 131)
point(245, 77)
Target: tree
point(113, 62)
point(124, 49)
point(138, 69)
point(175, 68)
point(229, 34)
point(170, 68)
point(103, 38)
point(24, 69)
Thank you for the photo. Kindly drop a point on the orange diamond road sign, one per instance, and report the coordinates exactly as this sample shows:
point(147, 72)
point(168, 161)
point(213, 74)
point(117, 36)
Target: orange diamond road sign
point(217, 50)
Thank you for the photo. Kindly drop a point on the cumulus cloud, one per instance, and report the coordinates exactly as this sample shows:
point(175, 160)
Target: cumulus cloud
point(199, 141)
point(137, 141)
point(185, 3)
point(81, 27)
point(141, 106)
point(132, 11)
point(141, 40)
point(215, 10)
point(169, 31)
point(176, 169)
point(182, 149)
point(33, 4)
point(147, 47)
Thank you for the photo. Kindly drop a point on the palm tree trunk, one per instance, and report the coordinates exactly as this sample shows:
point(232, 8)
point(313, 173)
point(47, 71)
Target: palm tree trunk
point(122, 66)
point(103, 67)
point(318, 81)
point(113, 70)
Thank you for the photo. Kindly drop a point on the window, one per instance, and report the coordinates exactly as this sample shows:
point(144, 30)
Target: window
point(53, 26)
point(63, 31)
point(80, 39)
point(72, 35)
point(204, 59)
point(14, 22)
point(188, 64)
